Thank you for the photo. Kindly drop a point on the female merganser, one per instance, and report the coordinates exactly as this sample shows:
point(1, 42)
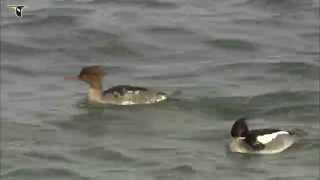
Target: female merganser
point(259, 141)
point(118, 95)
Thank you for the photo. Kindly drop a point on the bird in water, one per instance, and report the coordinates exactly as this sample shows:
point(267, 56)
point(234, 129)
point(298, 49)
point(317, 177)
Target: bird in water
point(259, 141)
point(117, 95)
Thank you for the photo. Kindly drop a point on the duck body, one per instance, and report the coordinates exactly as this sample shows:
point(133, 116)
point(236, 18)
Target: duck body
point(281, 140)
point(117, 95)
point(130, 95)
point(259, 141)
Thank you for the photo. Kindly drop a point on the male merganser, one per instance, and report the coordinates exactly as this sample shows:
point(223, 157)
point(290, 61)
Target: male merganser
point(118, 95)
point(259, 141)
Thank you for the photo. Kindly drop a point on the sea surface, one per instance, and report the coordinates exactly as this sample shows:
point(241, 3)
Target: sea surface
point(218, 59)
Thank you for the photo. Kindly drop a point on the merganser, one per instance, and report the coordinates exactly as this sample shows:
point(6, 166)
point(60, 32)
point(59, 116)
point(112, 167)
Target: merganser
point(118, 95)
point(259, 141)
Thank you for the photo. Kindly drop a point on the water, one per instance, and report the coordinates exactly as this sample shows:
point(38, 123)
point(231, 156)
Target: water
point(220, 60)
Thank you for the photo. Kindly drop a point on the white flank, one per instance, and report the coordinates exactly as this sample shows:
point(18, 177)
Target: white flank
point(264, 139)
point(161, 98)
point(136, 92)
point(127, 103)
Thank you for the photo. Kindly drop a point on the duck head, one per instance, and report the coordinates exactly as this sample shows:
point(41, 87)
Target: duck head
point(240, 128)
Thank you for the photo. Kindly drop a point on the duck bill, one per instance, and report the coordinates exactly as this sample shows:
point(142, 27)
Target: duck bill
point(71, 78)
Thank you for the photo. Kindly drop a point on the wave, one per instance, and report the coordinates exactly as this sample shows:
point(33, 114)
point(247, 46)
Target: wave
point(43, 173)
point(143, 3)
point(101, 153)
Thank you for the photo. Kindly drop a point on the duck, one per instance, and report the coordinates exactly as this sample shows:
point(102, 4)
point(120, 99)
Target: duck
point(259, 141)
point(117, 95)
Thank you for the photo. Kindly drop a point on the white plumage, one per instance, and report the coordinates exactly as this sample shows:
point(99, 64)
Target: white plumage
point(264, 139)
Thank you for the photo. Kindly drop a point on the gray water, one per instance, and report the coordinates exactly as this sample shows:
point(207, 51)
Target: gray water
point(219, 60)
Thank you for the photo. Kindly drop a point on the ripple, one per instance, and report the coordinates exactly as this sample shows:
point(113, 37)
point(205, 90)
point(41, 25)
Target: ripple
point(19, 70)
point(143, 3)
point(101, 153)
point(68, 40)
point(115, 48)
point(294, 178)
point(170, 76)
point(178, 172)
point(63, 11)
point(233, 44)
point(95, 123)
point(297, 110)
point(284, 102)
point(280, 5)
point(299, 69)
point(48, 156)
point(157, 150)
point(310, 36)
point(13, 69)
point(284, 98)
point(95, 35)
point(225, 107)
point(20, 50)
point(167, 30)
point(104, 42)
point(43, 173)
point(113, 69)
point(47, 22)
point(206, 136)
point(274, 103)
point(184, 169)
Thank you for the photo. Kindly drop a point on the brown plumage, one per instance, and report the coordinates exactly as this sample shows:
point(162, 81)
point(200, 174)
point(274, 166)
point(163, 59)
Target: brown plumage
point(121, 94)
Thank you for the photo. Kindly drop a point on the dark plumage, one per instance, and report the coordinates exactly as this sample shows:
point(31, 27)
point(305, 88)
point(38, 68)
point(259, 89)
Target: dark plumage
point(251, 137)
point(123, 89)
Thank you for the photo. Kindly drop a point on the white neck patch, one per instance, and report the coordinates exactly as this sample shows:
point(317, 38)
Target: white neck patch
point(264, 139)
point(94, 95)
